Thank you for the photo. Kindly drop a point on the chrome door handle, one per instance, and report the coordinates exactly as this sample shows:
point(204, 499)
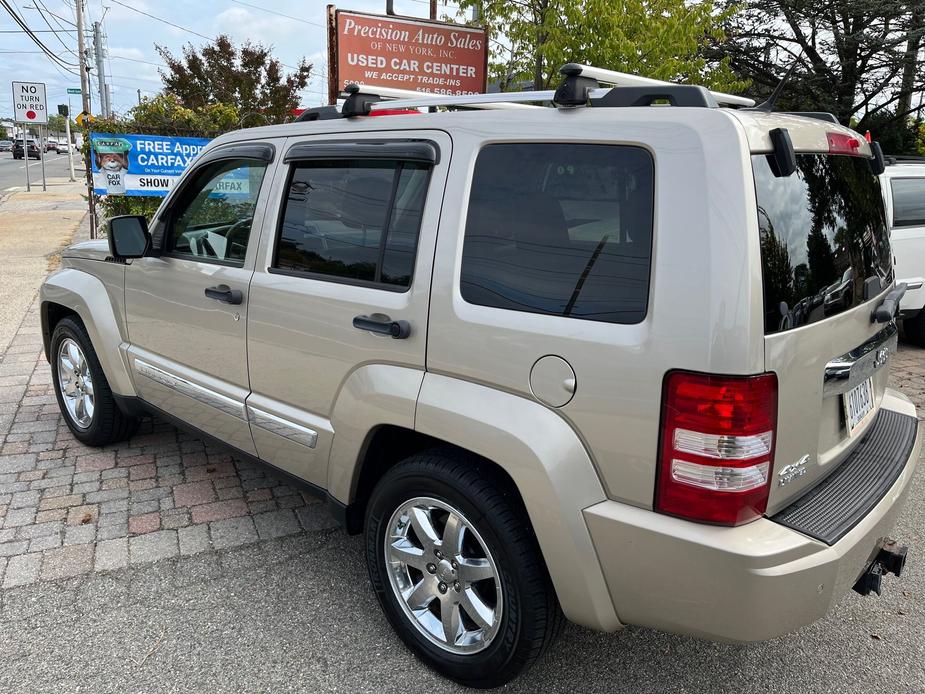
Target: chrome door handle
point(225, 294)
point(383, 325)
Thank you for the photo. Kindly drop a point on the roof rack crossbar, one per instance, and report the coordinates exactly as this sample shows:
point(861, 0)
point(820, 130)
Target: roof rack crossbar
point(403, 98)
point(623, 79)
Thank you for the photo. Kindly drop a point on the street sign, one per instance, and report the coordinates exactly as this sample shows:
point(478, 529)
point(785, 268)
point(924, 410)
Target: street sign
point(29, 103)
point(73, 90)
point(84, 117)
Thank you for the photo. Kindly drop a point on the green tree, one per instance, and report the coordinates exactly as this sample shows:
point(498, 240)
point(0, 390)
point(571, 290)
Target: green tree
point(56, 125)
point(3, 133)
point(663, 39)
point(248, 77)
point(855, 58)
point(162, 115)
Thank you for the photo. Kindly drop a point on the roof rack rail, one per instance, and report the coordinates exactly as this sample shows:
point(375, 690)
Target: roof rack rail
point(893, 159)
point(580, 86)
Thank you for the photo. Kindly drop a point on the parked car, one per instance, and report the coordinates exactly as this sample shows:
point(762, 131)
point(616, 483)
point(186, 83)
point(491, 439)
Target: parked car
point(904, 189)
point(51, 144)
point(535, 355)
point(6, 145)
point(64, 147)
point(34, 151)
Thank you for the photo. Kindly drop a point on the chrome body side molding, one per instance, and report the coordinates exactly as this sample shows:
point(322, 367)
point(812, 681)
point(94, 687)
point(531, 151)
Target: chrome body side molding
point(282, 427)
point(200, 393)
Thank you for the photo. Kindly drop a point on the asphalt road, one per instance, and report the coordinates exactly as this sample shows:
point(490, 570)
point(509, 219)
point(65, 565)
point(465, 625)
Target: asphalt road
point(13, 173)
point(297, 615)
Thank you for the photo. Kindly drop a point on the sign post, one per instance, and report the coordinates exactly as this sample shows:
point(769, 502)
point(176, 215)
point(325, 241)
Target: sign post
point(42, 143)
point(30, 107)
point(65, 110)
point(405, 53)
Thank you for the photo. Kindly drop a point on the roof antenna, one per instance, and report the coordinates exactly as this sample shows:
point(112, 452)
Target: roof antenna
point(768, 105)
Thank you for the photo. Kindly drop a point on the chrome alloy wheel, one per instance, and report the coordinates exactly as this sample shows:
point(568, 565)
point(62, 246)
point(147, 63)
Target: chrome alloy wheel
point(443, 575)
point(76, 383)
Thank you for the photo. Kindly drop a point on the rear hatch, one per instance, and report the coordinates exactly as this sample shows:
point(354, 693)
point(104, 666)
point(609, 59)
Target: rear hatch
point(826, 265)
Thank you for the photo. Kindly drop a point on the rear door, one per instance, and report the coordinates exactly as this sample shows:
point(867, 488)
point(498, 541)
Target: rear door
point(826, 264)
point(354, 226)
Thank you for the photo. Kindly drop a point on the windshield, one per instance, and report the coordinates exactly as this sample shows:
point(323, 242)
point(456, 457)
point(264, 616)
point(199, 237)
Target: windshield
point(823, 234)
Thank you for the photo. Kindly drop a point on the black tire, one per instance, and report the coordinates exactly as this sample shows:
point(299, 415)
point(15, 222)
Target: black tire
point(915, 329)
point(530, 618)
point(108, 423)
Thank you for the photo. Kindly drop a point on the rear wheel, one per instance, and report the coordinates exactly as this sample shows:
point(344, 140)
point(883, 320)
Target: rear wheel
point(83, 393)
point(457, 570)
point(915, 329)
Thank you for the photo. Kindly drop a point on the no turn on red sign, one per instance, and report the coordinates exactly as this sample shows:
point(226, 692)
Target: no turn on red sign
point(29, 103)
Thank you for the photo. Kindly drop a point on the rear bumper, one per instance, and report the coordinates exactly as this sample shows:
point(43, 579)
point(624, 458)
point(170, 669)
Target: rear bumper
point(749, 583)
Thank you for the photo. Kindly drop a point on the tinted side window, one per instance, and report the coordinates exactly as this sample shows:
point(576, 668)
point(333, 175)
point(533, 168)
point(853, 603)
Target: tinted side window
point(212, 220)
point(357, 220)
point(560, 229)
point(908, 202)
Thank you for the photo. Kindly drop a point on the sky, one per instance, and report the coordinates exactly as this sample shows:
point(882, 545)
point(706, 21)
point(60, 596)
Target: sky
point(131, 36)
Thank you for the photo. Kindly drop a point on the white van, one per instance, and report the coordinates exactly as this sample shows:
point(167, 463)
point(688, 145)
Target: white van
point(903, 184)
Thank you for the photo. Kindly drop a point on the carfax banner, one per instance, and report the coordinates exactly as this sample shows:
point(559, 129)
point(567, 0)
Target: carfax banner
point(140, 164)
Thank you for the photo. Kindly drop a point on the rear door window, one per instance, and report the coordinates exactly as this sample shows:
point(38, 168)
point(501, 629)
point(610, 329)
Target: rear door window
point(908, 202)
point(353, 221)
point(823, 234)
point(560, 229)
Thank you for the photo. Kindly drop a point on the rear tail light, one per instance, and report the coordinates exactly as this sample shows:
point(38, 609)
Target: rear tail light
point(842, 143)
point(717, 447)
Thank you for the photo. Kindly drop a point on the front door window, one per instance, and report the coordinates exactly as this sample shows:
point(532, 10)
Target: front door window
point(212, 220)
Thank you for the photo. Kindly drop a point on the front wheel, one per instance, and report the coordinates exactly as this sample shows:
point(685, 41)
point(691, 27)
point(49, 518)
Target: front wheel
point(83, 393)
point(457, 569)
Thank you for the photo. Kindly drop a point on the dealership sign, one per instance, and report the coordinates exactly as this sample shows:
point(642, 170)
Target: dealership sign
point(413, 54)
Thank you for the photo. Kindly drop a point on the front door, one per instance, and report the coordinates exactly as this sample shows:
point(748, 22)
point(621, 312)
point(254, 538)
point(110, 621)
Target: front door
point(187, 309)
point(356, 223)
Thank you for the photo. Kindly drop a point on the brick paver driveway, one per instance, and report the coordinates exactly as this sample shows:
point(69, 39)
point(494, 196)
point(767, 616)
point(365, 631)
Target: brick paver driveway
point(149, 566)
point(66, 509)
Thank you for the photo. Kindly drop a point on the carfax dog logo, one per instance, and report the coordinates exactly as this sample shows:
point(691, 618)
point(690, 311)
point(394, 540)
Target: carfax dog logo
point(111, 158)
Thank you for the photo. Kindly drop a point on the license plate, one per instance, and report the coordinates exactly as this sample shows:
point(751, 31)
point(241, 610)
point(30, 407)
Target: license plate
point(859, 405)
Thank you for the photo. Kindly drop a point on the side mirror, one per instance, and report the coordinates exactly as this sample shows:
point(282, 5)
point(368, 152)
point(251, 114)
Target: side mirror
point(128, 236)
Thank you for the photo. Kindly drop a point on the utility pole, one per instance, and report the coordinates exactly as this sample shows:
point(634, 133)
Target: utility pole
point(433, 9)
point(139, 97)
point(85, 96)
point(98, 53)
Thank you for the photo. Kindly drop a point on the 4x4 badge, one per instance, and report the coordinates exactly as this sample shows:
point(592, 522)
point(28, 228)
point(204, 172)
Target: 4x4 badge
point(792, 471)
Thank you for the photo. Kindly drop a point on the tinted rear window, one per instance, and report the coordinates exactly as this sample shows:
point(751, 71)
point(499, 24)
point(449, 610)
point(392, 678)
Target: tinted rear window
point(908, 202)
point(558, 229)
point(823, 233)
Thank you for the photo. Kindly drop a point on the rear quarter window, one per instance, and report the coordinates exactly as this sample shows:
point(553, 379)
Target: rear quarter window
point(823, 233)
point(908, 201)
point(560, 229)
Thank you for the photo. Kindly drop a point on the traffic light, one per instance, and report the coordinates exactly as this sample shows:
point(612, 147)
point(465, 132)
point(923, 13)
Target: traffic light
point(62, 110)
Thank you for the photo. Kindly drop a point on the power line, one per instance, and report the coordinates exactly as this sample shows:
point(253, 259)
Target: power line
point(160, 19)
point(48, 24)
point(38, 42)
point(279, 14)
